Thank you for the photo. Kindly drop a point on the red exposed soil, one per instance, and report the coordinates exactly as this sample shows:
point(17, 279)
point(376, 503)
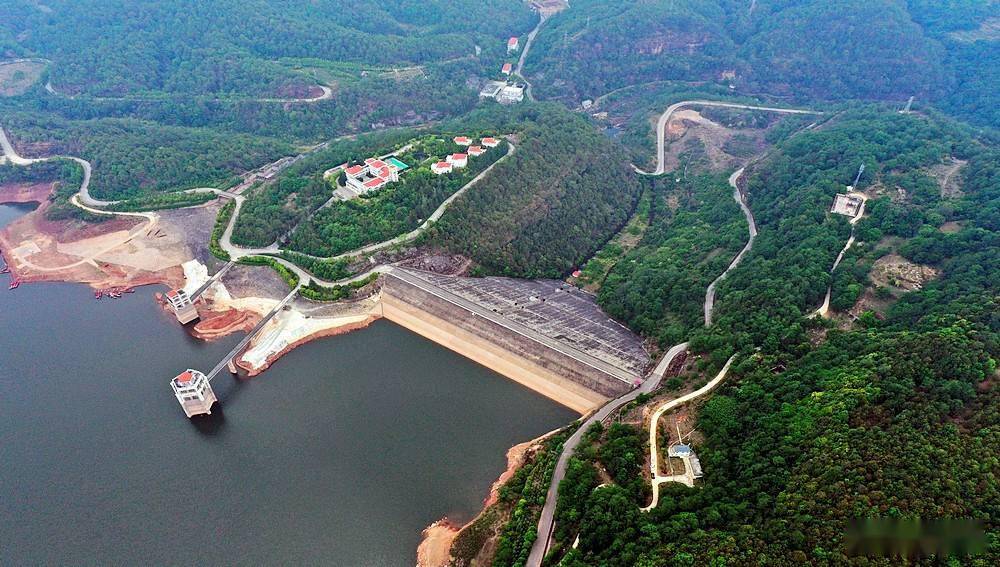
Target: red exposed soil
point(218, 324)
point(25, 192)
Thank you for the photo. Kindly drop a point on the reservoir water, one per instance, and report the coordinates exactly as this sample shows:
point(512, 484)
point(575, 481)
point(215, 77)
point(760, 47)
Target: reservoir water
point(340, 454)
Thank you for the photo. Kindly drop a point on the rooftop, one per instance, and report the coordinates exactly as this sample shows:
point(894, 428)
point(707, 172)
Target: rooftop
point(185, 376)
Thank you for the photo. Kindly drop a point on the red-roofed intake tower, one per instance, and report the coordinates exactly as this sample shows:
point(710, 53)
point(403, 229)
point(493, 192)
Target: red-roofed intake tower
point(194, 393)
point(183, 308)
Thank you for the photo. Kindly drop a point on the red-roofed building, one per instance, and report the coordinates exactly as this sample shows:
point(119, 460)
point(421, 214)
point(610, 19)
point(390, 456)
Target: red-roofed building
point(441, 167)
point(491, 142)
point(193, 392)
point(463, 140)
point(184, 309)
point(458, 160)
point(476, 151)
point(512, 45)
point(373, 184)
point(506, 69)
point(356, 170)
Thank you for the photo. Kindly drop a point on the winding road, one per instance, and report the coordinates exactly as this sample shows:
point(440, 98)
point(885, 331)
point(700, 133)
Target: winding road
point(519, 71)
point(547, 520)
point(661, 125)
point(654, 421)
point(734, 181)
point(825, 308)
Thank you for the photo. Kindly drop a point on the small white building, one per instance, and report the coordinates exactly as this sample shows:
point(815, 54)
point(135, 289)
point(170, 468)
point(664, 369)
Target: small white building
point(193, 392)
point(184, 309)
point(492, 89)
point(463, 140)
point(490, 142)
point(476, 151)
point(372, 175)
point(511, 94)
point(458, 160)
point(441, 167)
point(512, 45)
point(507, 69)
point(847, 204)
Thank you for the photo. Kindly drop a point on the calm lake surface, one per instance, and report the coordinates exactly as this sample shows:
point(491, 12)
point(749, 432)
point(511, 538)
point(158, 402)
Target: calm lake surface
point(340, 454)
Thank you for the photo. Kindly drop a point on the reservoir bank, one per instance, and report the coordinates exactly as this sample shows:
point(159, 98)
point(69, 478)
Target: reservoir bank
point(340, 454)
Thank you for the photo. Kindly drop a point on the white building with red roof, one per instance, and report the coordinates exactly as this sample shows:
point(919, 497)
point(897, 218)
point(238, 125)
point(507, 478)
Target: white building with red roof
point(193, 392)
point(512, 45)
point(458, 160)
point(372, 175)
point(463, 140)
point(476, 151)
point(491, 142)
point(506, 69)
point(184, 309)
point(441, 167)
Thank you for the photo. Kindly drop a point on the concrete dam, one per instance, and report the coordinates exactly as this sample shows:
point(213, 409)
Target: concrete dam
point(544, 334)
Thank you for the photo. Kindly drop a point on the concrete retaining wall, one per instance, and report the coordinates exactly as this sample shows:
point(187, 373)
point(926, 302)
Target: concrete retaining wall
point(549, 372)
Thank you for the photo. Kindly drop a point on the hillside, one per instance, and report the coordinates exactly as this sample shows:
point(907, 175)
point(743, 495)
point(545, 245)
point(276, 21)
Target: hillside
point(893, 415)
point(550, 206)
point(799, 51)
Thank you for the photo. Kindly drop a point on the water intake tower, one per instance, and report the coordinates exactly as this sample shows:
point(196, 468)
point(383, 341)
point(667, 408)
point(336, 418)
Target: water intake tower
point(194, 393)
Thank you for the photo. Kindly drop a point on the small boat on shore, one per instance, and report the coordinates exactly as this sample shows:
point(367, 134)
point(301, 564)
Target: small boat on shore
point(5, 269)
point(98, 294)
point(14, 284)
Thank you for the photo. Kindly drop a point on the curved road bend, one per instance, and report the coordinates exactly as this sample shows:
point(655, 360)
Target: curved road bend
point(657, 478)
point(547, 519)
point(435, 216)
point(734, 180)
point(236, 252)
point(85, 198)
point(661, 125)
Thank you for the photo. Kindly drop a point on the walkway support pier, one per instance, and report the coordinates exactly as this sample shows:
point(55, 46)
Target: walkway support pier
point(194, 390)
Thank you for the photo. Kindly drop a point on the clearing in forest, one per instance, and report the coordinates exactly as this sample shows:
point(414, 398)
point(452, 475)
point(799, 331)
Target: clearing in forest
point(16, 77)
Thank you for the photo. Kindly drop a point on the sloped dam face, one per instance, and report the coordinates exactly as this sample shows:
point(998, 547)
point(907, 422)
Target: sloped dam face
point(544, 334)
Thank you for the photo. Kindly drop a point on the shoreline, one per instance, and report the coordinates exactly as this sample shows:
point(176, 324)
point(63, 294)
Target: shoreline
point(434, 549)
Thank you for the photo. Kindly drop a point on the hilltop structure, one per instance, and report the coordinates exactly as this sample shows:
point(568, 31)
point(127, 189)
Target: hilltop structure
point(373, 174)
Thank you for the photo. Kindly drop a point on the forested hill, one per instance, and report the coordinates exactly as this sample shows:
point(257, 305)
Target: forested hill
point(893, 415)
point(114, 47)
point(565, 191)
point(944, 52)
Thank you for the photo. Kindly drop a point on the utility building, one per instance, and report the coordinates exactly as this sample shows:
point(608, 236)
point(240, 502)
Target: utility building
point(183, 308)
point(194, 393)
point(512, 45)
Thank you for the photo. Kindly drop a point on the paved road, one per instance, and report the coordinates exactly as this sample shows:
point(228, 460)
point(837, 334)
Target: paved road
point(11, 154)
point(519, 71)
point(661, 125)
point(547, 520)
point(825, 308)
point(752, 226)
point(659, 479)
point(326, 94)
point(435, 216)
